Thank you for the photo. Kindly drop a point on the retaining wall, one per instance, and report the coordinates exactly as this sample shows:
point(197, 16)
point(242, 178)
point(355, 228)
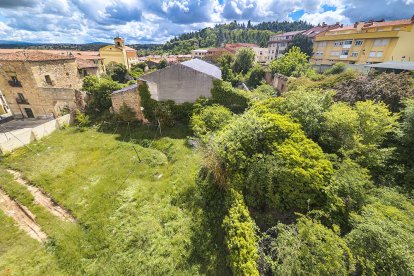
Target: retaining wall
point(12, 140)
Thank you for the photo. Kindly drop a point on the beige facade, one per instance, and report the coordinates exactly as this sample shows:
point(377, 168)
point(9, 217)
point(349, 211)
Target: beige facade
point(366, 43)
point(261, 54)
point(130, 96)
point(119, 53)
point(5, 110)
point(278, 43)
point(37, 84)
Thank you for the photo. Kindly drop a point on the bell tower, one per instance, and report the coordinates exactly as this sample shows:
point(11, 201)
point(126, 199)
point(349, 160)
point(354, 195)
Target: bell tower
point(119, 42)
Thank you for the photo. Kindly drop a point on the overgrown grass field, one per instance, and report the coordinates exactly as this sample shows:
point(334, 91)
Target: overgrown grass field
point(136, 208)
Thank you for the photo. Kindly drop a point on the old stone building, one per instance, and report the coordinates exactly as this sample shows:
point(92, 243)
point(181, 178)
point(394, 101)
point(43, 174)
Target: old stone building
point(39, 84)
point(129, 96)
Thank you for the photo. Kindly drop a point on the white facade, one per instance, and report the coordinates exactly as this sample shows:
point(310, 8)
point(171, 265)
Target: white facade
point(198, 53)
point(261, 54)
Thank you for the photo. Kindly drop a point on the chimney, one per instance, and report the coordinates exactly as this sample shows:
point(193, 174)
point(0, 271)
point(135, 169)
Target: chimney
point(356, 24)
point(412, 19)
point(360, 25)
point(323, 24)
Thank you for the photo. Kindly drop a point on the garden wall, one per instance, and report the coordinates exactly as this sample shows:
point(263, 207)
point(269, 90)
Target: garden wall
point(12, 140)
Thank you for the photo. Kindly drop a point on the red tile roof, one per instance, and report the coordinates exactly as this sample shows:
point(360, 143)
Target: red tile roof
point(82, 64)
point(32, 56)
point(374, 24)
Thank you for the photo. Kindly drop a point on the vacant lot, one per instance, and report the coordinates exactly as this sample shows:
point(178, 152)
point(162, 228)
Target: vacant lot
point(136, 210)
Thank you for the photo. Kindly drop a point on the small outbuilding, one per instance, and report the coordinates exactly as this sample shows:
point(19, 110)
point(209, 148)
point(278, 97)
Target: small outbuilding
point(182, 82)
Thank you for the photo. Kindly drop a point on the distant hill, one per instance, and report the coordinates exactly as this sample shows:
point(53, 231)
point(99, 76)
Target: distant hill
point(231, 33)
point(11, 42)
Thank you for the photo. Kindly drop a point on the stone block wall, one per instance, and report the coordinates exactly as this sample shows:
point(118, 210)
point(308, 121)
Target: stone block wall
point(131, 98)
point(43, 99)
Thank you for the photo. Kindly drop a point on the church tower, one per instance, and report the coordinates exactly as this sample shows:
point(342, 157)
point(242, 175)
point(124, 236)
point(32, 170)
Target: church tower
point(119, 42)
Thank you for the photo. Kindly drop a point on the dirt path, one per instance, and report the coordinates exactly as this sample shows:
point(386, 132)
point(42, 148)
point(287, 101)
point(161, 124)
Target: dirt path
point(24, 218)
point(43, 199)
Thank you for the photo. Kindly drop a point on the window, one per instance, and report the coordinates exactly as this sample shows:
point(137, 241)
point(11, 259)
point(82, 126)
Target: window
point(338, 43)
point(372, 54)
point(335, 53)
point(358, 42)
point(380, 42)
point(348, 42)
point(48, 80)
point(319, 53)
point(354, 54)
point(21, 99)
point(14, 82)
point(322, 44)
point(344, 52)
point(29, 113)
point(379, 54)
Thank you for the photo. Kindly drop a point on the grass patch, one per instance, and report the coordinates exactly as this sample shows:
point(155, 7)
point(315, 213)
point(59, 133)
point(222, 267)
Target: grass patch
point(136, 211)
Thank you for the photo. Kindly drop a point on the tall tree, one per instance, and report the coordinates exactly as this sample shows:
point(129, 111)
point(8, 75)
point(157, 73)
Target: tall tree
point(304, 43)
point(244, 60)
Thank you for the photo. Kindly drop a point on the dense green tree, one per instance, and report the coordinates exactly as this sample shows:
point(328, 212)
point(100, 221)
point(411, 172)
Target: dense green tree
point(304, 43)
point(292, 63)
point(163, 63)
point(240, 237)
point(389, 88)
point(307, 248)
point(255, 76)
point(269, 158)
point(118, 72)
point(100, 91)
point(244, 60)
point(265, 89)
point(406, 144)
point(356, 129)
point(382, 238)
point(210, 119)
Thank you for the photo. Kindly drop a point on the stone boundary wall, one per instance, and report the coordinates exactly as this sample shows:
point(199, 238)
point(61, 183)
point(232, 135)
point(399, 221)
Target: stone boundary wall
point(12, 140)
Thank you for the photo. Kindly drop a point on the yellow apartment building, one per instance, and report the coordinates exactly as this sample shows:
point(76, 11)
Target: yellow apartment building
point(366, 43)
point(119, 53)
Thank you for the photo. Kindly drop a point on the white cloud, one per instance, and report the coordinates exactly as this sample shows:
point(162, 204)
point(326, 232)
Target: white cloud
point(144, 21)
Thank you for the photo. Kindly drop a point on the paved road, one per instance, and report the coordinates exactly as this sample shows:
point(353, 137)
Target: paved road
point(21, 124)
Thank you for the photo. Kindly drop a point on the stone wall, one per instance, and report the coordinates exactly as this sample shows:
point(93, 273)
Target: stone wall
point(131, 98)
point(42, 98)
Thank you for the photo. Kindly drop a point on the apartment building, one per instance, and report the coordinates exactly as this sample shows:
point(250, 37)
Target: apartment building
point(261, 54)
point(366, 43)
point(278, 43)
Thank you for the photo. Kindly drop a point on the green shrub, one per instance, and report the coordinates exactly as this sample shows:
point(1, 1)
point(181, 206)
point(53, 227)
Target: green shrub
point(335, 69)
point(240, 237)
point(82, 120)
point(268, 157)
point(147, 102)
point(382, 238)
point(126, 113)
point(307, 248)
point(235, 99)
point(210, 119)
point(163, 114)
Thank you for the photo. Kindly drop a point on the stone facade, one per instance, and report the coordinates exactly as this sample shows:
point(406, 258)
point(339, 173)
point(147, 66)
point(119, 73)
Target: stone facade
point(130, 96)
point(38, 85)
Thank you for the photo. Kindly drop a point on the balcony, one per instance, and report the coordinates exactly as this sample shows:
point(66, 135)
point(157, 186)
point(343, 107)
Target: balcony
point(347, 46)
point(343, 56)
point(22, 101)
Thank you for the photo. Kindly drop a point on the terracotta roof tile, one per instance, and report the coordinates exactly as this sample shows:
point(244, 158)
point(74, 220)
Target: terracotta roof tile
point(82, 64)
point(32, 56)
point(376, 24)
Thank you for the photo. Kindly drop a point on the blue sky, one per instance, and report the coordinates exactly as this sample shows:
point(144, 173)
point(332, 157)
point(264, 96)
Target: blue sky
point(156, 21)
